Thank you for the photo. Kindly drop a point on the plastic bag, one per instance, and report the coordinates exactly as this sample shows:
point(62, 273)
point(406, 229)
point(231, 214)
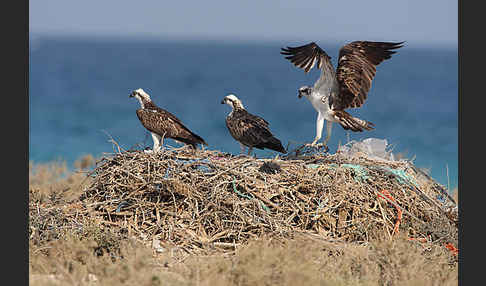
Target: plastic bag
point(372, 147)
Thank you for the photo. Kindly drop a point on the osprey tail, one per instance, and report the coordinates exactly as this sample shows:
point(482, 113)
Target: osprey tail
point(353, 123)
point(273, 144)
point(192, 140)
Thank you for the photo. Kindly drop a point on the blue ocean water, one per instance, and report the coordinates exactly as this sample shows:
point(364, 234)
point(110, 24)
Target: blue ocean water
point(79, 87)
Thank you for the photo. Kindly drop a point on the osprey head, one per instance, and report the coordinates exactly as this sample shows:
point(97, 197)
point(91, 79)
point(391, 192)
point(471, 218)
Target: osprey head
point(305, 91)
point(141, 95)
point(232, 101)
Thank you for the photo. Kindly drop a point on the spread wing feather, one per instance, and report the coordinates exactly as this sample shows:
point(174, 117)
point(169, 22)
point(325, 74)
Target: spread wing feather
point(306, 56)
point(356, 69)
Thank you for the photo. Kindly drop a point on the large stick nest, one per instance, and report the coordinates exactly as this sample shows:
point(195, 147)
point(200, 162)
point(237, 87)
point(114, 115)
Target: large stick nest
point(201, 199)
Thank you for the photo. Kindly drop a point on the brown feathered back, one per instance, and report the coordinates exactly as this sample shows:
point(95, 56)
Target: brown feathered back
point(252, 131)
point(165, 124)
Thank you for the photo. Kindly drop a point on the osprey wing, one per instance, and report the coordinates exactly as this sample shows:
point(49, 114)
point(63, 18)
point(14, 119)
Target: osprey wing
point(306, 56)
point(258, 120)
point(356, 70)
point(166, 124)
point(247, 128)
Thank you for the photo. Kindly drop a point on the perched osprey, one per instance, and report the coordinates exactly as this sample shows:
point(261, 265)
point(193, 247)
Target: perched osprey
point(162, 124)
point(248, 129)
point(347, 87)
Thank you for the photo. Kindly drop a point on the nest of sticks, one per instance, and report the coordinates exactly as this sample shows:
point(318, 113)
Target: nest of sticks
point(201, 199)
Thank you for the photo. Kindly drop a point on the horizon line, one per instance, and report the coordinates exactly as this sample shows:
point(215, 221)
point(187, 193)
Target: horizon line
point(223, 38)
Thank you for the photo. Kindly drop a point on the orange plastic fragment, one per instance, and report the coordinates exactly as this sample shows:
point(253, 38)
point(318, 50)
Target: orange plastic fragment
point(399, 211)
point(451, 247)
point(422, 239)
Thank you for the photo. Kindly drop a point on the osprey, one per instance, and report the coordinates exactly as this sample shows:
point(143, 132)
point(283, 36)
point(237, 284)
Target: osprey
point(162, 124)
point(347, 87)
point(248, 129)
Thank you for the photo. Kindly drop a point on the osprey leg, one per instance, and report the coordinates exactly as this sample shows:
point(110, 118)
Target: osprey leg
point(157, 142)
point(242, 148)
point(319, 125)
point(249, 150)
point(328, 132)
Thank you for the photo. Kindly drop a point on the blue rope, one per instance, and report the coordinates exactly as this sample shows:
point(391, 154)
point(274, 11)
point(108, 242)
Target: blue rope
point(247, 196)
point(361, 173)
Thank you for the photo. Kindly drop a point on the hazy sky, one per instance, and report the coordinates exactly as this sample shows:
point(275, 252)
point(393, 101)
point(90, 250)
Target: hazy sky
point(419, 22)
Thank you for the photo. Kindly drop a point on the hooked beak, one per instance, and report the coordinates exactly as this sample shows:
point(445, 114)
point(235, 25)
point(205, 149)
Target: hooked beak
point(130, 95)
point(300, 94)
point(223, 102)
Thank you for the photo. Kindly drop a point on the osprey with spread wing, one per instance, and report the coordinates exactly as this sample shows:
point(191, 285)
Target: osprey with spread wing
point(345, 87)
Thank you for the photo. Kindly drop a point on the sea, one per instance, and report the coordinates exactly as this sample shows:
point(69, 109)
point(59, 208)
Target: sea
point(79, 97)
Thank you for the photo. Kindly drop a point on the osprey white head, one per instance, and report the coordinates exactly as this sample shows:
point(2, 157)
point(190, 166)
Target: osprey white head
point(232, 101)
point(141, 95)
point(305, 91)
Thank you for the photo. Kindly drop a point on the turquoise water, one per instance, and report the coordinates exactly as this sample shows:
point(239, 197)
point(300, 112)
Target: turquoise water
point(79, 93)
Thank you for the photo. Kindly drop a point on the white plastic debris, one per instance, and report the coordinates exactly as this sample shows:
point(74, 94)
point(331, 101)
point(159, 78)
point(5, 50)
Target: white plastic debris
point(156, 245)
point(92, 278)
point(372, 147)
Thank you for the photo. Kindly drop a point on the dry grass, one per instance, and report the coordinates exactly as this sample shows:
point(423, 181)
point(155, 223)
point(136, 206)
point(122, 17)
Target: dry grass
point(233, 221)
point(297, 262)
point(49, 182)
